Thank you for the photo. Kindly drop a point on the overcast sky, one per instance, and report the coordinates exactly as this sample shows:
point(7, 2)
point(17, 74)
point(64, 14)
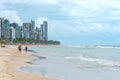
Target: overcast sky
point(73, 22)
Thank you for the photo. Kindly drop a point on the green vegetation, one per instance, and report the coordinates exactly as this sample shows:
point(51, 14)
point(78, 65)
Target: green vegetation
point(2, 40)
point(29, 41)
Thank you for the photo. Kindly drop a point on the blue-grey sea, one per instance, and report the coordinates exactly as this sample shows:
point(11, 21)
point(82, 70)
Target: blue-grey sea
point(75, 62)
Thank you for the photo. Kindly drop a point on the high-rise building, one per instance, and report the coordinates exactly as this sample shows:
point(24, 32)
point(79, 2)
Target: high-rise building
point(6, 29)
point(32, 24)
point(26, 30)
point(44, 30)
point(38, 32)
point(26, 33)
point(41, 31)
point(7, 23)
point(17, 30)
point(12, 33)
point(0, 31)
point(32, 29)
point(2, 26)
point(15, 25)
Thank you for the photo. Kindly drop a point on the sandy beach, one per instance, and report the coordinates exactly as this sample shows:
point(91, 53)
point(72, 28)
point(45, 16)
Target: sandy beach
point(10, 60)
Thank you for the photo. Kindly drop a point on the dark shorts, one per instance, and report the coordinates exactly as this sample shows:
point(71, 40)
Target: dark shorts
point(19, 49)
point(25, 49)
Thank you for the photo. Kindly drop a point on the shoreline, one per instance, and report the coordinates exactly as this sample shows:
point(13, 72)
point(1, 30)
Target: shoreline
point(11, 59)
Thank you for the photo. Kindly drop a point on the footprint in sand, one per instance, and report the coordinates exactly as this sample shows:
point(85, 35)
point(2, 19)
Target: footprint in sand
point(4, 65)
point(5, 76)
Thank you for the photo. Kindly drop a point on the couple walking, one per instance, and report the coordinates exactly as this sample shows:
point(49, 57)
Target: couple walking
point(20, 48)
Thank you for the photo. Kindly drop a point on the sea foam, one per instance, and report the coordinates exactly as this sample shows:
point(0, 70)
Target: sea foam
point(100, 61)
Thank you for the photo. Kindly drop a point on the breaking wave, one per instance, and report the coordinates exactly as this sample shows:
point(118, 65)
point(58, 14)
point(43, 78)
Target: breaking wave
point(99, 61)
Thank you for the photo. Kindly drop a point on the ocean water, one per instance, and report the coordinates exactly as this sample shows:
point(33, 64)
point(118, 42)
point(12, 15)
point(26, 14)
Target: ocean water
point(76, 62)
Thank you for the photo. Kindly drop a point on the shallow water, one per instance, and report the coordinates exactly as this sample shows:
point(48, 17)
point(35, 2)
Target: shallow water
point(76, 63)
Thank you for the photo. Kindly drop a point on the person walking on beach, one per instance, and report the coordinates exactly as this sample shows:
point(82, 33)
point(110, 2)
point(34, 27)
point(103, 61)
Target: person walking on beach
point(19, 48)
point(26, 48)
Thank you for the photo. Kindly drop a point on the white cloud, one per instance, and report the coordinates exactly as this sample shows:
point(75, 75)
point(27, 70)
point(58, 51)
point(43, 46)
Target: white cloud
point(91, 4)
point(44, 1)
point(2, 7)
point(96, 3)
point(12, 15)
point(31, 2)
point(40, 20)
point(90, 8)
point(61, 28)
point(67, 17)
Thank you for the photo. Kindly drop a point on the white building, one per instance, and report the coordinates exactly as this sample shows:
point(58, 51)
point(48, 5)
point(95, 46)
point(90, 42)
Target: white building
point(26, 30)
point(44, 31)
point(0, 31)
point(0, 26)
point(12, 33)
point(26, 34)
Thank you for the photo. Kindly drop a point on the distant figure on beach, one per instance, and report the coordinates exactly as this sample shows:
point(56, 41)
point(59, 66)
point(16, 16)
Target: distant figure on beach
point(3, 45)
point(19, 48)
point(26, 48)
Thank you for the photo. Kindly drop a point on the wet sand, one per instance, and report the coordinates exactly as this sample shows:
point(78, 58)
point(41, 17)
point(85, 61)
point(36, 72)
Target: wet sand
point(10, 60)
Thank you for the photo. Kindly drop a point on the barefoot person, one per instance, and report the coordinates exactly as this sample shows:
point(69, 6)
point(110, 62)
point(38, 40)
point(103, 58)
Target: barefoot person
point(19, 48)
point(26, 48)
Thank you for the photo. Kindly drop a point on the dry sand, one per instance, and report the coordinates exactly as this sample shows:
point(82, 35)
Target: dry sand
point(10, 60)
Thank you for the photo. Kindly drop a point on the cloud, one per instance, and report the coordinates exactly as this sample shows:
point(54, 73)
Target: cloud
point(12, 15)
point(44, 1)
point(74, 18)
point(93, 17)
point(91, 9)
point(60, 28)
point(31, 2)
point(95, 4)
point(40, 20)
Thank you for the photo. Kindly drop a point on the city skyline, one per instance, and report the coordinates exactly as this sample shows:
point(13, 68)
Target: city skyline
point(73, 22)
point(28, 30)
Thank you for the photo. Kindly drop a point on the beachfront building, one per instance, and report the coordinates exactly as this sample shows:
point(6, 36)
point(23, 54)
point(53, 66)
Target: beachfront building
point(18, 33)
point(0, 31)
point(2, 26)
point(26, 33)
point(26, 30)
point(17, 30)
point(22, 35)
point(38, 32)
point(6, 29)
point(12, 33)
point(15, 25)
point(44, 31)
point(32, 30)
point(41, 31)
